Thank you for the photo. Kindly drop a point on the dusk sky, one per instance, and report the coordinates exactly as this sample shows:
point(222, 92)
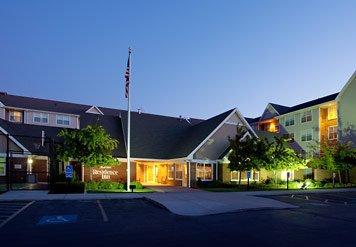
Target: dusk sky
point(190, 58)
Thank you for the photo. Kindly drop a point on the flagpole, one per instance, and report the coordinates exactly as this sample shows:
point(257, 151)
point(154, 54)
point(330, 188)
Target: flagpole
point(129, 128)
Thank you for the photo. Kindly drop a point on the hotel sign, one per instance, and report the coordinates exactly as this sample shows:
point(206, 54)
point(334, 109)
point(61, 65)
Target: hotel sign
point(105, 172)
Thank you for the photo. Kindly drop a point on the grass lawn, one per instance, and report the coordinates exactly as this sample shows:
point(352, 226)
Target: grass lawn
point(144, 190)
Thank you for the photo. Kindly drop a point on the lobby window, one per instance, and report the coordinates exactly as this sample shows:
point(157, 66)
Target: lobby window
point(289, 121)
point(306, 116)
point(170, 172)
point(40, 118)
point(16, 116)
point(332, 112)
point(179, 172)
point(62, 120)
point(306, 135)
point(332, 133)
point(204, 171)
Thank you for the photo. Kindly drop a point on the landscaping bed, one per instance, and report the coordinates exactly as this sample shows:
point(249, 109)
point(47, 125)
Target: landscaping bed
point(267, 185)
point(115, 187)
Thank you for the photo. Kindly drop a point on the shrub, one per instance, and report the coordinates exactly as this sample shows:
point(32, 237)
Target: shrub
point(138, 185)
point(67, 187)
point(104, 185)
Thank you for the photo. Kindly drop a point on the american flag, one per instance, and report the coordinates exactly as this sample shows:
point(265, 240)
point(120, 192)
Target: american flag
point(127, 76)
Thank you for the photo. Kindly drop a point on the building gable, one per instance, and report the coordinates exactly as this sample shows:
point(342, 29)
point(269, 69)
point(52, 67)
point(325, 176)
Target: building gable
point(94, 110)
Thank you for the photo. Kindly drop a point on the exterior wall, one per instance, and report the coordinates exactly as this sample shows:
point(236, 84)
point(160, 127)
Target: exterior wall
point(20, 170)
point(346, 112)
point(325, 124)
point(13, 147)
point(320, 174)
point(106, 173)
point(353, 175)
point(2, 112)
point(52, 121)
point(193, 174)
point(298, 127)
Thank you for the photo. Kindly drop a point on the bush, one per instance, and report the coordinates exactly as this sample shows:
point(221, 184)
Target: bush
point(104, 185)
point(67, 187)
point(138, 185)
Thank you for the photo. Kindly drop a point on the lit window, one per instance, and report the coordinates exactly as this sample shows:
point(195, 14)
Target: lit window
point(15, 116)
point(179, 172)
point(332, 112)
point(234, 176)
point(284, 175)
point(306, 116)
point(306, 135)
point(63, 120)
point(332, 133)
point(204, 171)
point(290, 121)
point(40, 118)
point(2, 166)
point(170, 172)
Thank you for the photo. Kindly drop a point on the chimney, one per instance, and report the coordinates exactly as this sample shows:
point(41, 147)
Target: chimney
point(180, 118)
point(139, 110)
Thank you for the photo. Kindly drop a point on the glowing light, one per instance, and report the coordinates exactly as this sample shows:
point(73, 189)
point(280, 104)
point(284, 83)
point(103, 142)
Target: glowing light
point(29, 161)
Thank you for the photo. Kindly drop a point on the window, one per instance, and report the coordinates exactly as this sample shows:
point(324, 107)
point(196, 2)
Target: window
point(235, 175)
point(179, 172)
point(204, 171)
point(284, 175)
point(170, 172)
point(332, 133)
point(15, 116)
point(289, 137)
point(289, 121)
point(2, 166)
point(306, 135)
point(306, 116)
point(332, 112)
point(63, 120)
point(40, 117)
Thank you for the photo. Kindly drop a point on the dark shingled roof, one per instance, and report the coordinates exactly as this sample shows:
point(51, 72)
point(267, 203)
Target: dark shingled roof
point(313, 102)
point(160, 137)
point(281, 109)
point(152, 136)
point(252, 120)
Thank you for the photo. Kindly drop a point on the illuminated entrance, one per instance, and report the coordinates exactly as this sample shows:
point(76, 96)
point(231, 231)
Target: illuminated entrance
point(160, 173)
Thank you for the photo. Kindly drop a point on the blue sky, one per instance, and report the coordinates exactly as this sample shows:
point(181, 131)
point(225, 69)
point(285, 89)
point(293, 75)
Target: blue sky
point(191, 58)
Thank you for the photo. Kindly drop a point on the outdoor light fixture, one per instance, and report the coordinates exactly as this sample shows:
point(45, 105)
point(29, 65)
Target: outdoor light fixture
point(29, 161)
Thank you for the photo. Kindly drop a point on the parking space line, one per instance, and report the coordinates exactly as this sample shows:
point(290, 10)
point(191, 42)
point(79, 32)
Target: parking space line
point(103, 213)
point(15, 214)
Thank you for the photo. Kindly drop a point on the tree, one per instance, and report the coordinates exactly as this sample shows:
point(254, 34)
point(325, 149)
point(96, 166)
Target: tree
point(335, 157)
point(281, 157)
point(247, 153)
point(90, 146)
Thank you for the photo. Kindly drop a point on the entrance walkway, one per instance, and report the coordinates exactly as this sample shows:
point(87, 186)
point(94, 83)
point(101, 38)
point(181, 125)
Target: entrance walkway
point(201, 203)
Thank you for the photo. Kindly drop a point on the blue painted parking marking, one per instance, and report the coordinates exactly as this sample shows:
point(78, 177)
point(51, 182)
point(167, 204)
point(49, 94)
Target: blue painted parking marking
point(58, 219)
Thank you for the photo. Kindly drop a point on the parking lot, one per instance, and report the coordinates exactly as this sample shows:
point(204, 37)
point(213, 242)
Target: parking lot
point(320, 220)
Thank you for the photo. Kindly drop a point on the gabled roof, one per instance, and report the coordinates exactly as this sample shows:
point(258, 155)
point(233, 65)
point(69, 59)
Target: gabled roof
point(281, 109)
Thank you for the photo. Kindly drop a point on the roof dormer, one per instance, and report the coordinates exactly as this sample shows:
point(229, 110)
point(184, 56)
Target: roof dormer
point(94, 110)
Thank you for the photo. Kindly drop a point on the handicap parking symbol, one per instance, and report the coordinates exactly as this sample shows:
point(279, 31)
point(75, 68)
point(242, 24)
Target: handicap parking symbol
point(57, 219)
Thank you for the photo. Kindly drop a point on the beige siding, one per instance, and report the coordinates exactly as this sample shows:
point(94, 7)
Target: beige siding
point(346, 111)
point(52, 121)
